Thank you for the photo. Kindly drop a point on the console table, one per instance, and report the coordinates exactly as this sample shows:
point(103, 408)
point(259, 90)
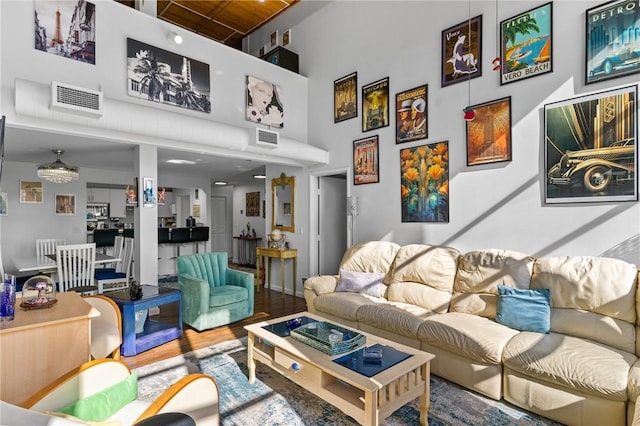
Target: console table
point(282, 254)
point(40, 345)
point(247, 250)
point(155, 332)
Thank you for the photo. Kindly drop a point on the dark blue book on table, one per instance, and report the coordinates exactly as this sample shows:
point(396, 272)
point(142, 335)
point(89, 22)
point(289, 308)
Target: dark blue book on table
point(370, 366)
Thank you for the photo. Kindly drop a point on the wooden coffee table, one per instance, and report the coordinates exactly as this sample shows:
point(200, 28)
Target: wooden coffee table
point(366, 399)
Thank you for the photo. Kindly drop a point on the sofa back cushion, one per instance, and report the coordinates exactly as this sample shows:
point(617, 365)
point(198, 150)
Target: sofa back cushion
point(591, 297)
point(371, 256)
point(475, 290)
point(423, 275)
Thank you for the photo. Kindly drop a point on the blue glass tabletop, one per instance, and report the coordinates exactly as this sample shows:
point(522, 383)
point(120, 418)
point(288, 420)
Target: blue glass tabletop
point(369, 364)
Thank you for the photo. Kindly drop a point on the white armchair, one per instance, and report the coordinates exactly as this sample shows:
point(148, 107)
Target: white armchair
point(195, 395)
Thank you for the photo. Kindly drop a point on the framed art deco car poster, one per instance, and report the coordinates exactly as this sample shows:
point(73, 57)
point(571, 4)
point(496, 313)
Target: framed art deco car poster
point(366, 161)
point(612, 40)
point(411, 115)
point(462, 52)
point(591, 148)
point(345, 98)
point(525, 44)
point(375, 105)
point(489, 134)
point(424, 183)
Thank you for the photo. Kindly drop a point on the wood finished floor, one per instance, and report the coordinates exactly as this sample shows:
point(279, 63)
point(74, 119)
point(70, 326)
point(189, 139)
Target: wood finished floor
point(268, 304)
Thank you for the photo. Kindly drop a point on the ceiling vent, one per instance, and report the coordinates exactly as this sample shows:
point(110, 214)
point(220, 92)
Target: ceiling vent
point(77, 100)
point(265, 138)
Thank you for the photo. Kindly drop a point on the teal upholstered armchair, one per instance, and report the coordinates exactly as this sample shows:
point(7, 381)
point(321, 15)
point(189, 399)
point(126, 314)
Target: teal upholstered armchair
point(212, 294)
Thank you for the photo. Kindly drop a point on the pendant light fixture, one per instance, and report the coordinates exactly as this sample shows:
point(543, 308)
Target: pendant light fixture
point(58, 172)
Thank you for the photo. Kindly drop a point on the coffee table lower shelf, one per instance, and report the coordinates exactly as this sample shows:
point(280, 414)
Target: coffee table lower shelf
point(367, 400)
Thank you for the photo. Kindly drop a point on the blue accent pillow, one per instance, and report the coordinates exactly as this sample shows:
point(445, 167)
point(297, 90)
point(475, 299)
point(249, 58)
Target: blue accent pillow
point(524, 310)
point(369, 283)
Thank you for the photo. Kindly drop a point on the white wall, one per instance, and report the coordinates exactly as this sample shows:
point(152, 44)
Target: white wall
point(499, 206)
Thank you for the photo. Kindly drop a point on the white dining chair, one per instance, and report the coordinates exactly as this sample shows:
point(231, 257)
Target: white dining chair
point(119, 279)
point(76, 267)
point(45, 246)
point(118, 244)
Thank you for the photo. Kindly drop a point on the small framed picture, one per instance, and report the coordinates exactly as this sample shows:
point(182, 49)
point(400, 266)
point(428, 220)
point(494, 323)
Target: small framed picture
point(4, 204)
point(489, 133)
point(149, 197)
point(365, 161)
point(30, 192)
point(345, 98)
point(132, 193)
point(411, 115)
point(274, 39)
point(286, 37)
point(196, 210)
point(375, 105)
point(65, 204)
point(462, 52)
point(262, 51)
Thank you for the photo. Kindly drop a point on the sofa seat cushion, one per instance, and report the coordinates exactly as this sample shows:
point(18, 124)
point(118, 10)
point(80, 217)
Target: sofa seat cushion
point(344, 305)
point(474, 337)
point(579, 364)
point(633, 384)
point(399, 318)
point(227, 294)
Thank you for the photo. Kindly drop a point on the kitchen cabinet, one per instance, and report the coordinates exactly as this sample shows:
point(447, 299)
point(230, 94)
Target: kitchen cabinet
point(117, 199)
point(98, 195)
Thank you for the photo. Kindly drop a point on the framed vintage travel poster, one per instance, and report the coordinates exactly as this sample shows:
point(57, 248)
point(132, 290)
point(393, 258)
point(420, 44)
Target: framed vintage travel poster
point(375, 105)
point(489, 134)
point(66, 29)
point(161, 76)
point(345, 98)
point(65, 204)
point(264, 103)
point(591, 148)
point(424, 183)
point(462, 52)
point(525, 44)
point(411, 115)
point(365, 161)
point(148, 196)
point(612, 40)
point(30, 192)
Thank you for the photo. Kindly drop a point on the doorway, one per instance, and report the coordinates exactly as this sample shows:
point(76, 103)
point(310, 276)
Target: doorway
point(330, 233)
point(218, 223)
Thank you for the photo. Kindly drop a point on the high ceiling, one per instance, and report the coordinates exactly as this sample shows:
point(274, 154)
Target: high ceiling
point(226, 21)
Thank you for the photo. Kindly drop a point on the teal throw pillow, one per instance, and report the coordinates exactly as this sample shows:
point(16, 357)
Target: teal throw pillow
point(524, 310)
point(104, 404)
point(369, 283)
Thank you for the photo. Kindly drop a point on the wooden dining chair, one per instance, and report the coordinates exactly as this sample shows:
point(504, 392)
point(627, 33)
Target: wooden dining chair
point(119, 279)
point(76, 266)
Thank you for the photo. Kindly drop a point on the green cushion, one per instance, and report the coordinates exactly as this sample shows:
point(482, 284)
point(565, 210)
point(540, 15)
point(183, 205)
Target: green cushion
point(102, 405)
point(227, 294)
point(524, 310)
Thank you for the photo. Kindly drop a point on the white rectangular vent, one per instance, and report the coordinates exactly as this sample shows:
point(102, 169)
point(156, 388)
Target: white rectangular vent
point(266, 138)
point(69, 98)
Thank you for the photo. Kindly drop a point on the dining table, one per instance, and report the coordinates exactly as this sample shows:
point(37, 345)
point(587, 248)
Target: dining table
point(48, 263)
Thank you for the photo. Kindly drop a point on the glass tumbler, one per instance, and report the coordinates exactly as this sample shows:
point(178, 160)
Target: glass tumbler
point(7, 298)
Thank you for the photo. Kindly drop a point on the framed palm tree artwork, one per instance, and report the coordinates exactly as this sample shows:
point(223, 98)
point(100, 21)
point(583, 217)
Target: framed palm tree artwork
point(169, 78)
point(525, 45)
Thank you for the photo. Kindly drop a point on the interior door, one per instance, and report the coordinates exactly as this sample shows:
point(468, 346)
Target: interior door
point(218, 223)
point(332, 222)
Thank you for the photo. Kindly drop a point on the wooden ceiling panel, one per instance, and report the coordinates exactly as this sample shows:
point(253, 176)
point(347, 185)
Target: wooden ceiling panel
point(225, 21)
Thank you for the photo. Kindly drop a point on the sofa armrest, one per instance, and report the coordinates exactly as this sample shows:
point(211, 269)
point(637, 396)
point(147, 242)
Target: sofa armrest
point(195, 297)
point(322, 284)
point(195, 395)
point(243, 279)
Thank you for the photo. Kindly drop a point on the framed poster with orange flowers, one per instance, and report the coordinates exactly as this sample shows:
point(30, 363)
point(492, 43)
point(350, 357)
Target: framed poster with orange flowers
point(424, 183)
point(365, 161)
point(489, 133)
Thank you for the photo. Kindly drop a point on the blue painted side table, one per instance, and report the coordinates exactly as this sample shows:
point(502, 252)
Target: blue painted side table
point(155, 332)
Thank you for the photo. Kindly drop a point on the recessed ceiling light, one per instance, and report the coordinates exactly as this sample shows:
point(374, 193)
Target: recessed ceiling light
point(220, 182)
point(174, 161)
point(260, 176)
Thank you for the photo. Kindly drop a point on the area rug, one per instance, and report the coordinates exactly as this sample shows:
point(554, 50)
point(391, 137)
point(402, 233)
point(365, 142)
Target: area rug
point(274, 400)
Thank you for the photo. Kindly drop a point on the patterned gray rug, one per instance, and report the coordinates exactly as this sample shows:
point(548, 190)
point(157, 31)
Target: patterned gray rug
point(274, 400)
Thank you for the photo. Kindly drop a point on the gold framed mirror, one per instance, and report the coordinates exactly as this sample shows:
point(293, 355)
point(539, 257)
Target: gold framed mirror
point(283, 203)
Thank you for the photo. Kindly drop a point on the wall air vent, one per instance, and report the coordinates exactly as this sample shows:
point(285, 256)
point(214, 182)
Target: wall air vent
point(76, 100)
point(265, 138)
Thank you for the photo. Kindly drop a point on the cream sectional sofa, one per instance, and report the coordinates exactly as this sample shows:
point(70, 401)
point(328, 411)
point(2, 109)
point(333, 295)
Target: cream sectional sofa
point(585, 371)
